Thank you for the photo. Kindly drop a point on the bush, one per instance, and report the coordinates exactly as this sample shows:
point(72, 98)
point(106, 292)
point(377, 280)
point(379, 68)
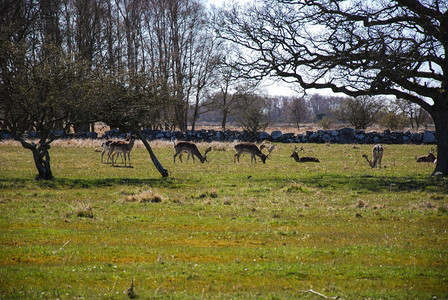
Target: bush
point(361, 112)
point(326, 123)
point(394, 121)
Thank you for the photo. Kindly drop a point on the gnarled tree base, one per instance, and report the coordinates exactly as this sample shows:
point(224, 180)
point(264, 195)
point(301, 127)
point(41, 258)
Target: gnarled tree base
point(41, 157)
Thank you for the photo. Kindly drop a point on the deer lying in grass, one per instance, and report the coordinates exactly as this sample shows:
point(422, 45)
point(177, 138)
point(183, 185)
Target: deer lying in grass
point(295, 155)
point(377, 155)
point(191, 149)
point(122, 147)
point(431, 158)
point(251, 149)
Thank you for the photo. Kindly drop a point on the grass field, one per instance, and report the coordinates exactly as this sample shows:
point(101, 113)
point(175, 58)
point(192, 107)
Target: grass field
point(223, 230)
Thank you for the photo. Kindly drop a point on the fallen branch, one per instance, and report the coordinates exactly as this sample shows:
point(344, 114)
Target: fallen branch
point(318, 294)
point(54, 252)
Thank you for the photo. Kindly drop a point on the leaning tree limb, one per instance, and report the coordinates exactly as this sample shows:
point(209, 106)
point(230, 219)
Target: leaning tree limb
point(154, 159)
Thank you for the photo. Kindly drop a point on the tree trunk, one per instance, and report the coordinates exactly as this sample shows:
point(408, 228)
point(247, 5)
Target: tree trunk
point(440, 117)
point(41, 157)
point(195, 116)
point(224, 120)
point(154, 159)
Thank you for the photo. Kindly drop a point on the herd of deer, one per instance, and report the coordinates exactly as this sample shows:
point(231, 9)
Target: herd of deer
point(124, 148)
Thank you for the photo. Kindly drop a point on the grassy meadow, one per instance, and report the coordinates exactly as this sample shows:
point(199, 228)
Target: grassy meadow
point(220, 230)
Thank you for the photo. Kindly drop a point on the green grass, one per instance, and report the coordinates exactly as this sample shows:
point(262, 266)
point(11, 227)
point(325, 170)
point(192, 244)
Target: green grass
point(223, 230)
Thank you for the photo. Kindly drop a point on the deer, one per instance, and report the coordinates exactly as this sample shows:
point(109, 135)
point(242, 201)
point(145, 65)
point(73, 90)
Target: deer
point(251, 149)
point(191, 149)
point(106, 148)
point(377, 155)
point(303, 159)
point(431, 158)
point(122, 147)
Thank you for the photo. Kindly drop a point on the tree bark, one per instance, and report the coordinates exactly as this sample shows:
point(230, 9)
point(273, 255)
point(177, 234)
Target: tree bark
point(440, 117)
point(154, 159)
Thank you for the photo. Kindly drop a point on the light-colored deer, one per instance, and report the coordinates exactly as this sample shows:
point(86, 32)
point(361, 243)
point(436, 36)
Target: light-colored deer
point(295, 155)
point(251, 149)
point(106, 148)
point(431, 158)
point(122, 147)
point(191, 149)
point(377, 155)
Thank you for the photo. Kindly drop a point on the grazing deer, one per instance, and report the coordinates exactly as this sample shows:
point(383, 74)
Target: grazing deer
point(251, 149)
point(431, 158)
point(122, 147)
point(377, 155)
point(191, 149)
point(295, 155)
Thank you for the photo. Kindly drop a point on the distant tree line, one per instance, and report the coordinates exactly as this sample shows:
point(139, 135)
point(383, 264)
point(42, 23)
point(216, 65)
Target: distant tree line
point(324, 110)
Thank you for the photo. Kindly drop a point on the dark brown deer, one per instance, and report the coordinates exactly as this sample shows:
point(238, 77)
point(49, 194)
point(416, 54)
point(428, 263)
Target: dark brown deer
point(191, 149)
point(295, 155)
point(251, 149)
point(430, 158)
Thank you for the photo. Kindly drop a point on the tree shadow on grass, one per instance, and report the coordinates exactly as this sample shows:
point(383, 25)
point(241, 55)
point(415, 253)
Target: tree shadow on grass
point(378, 184)
point(59, 183)
point(369, 183)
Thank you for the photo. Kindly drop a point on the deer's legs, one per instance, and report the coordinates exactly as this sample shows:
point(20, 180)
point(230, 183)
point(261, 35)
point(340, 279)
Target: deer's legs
point(237, 157)
point(252, 157)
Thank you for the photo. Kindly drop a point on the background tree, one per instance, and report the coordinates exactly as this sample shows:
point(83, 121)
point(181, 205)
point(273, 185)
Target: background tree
point(361, 112)
point(253, 114)
point(417, 115)
point(298, 111)
point(179, 51)
point(324, 105)
point(394, 47)
point(228, 82)
point(38, 80)
point(203, 68)
point(393, 120)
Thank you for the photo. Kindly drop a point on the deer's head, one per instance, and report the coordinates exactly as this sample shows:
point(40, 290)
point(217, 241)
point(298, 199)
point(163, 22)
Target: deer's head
point(204, 157)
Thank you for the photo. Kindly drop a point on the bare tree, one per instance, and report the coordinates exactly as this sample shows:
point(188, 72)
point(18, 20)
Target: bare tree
point(360, 48)
point(417, 115)
point(229, 83)
point(179, 53)
point(298, 110)
point(204, 63)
